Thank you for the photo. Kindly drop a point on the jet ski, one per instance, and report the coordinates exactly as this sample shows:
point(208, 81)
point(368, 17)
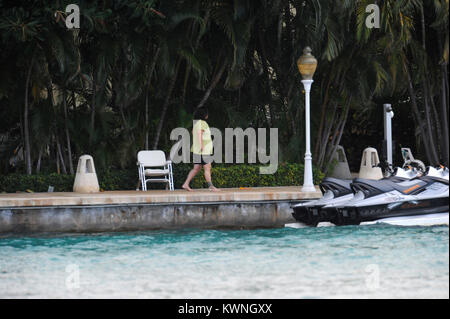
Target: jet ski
point(336, 192)
point(385, 200)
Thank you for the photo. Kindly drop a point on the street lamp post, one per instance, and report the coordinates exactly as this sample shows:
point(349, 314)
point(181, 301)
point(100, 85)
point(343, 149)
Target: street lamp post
point(307, 66)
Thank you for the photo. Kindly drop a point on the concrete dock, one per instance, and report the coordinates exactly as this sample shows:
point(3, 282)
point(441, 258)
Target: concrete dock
point(155, 209)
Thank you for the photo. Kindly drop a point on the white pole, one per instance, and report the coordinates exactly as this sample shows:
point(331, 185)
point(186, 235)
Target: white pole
point(388, 115)
point(308, 185)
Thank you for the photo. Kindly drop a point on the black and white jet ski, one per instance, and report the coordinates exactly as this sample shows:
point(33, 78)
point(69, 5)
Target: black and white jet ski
point(421, 200)
point(336, 192)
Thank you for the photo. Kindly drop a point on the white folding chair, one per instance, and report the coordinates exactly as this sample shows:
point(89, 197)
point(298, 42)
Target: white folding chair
point(159, 167)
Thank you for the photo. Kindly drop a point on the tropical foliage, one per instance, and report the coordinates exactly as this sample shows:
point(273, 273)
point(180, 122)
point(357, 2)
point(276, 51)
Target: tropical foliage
point(238, 176)
point(136, 69)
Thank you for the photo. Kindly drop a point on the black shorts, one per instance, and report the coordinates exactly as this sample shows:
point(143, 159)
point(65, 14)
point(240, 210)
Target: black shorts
point(202, 159)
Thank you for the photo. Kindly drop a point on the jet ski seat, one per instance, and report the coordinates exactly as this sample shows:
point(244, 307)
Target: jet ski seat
point(434, 179)
point(339, 187)
point(395, 179)
point(375, 187)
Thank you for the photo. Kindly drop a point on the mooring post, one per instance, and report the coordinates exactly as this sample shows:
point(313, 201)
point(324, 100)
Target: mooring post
point(388, 114)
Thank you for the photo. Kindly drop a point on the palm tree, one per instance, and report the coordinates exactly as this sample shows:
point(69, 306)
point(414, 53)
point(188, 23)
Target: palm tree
point(136, 68)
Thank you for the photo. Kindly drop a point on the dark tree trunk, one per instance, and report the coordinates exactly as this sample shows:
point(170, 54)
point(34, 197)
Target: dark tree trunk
point(444, 115)
point(93, 102)
point(212, 86)
point(66, 129)
point(59, 153)
point(338, 134)
point(58, 170)
point(412, 95)
point(326, 135)
point(429, 128)
point(38, 165)
point(428, 98)
point(322, 115)
point(166, 105)
point(25, 118)
point(147, 92)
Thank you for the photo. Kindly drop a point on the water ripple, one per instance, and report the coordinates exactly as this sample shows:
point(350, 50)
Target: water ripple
point(327, 262)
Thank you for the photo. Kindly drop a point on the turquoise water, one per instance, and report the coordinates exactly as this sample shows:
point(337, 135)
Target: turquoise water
point(376, 261)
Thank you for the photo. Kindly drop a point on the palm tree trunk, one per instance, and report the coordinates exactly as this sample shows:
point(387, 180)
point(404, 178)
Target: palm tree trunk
point(147, 92)
point(187, 72)
point(92, 125)
point(268, 83)
point(38, 165)
point(412, 95)
point(444, 115)
point(338, 134)
point(328, 125)
point(289, 115)
point(437, 123)
point(166, 104)
point(58, 170)
point(212, 85)
point(25, 118)
point(59, 153)
point(427, 97)
point(322, 116)
point(429, 127)
point(191, 31)
point(146, 119)
point(66, 128)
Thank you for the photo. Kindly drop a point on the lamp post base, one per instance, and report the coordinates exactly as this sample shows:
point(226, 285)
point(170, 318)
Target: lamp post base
point(308, 189)
point(308, 184)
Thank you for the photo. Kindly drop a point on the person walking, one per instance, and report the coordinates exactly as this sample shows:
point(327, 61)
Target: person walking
point(202, 148)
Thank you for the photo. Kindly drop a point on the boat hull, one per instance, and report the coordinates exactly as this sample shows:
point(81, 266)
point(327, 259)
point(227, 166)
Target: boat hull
point(356, 215)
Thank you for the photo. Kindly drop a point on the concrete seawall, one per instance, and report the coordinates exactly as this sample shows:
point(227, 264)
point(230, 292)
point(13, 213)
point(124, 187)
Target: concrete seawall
point(134, 211)
point(143, 217)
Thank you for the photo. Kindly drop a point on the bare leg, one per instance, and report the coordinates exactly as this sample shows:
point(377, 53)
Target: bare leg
point(191, 175)
point(207, 169)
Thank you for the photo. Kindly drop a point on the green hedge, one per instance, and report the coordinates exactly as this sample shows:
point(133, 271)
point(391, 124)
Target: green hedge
point(223, 176)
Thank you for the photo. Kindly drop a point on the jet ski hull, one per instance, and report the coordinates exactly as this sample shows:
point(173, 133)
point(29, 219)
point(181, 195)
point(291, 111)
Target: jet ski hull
point(440, 219)
point(363, 200)
point(352, 215)
point(334, 191)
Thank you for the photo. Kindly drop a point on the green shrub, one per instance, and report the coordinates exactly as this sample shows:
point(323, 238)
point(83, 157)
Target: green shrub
point(38, 183)
point(223, 176)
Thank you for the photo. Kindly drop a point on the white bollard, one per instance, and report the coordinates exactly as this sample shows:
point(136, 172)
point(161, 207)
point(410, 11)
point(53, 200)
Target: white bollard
point(86, 178)
point(341, 170)
point(369, 162)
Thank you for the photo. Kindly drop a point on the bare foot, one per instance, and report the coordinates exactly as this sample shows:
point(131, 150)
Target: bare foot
point(186, 187)
point(213, 189)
